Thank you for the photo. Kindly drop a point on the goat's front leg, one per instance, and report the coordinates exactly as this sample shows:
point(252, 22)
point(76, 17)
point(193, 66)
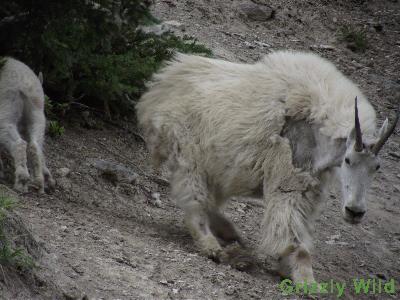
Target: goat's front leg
point(196, 220)
point(223, 228)
point(236, 253)
point(286, 234)
point(190, 191)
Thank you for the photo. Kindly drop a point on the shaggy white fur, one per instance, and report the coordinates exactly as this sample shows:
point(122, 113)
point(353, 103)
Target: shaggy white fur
point(22, 109)
point(219, 124)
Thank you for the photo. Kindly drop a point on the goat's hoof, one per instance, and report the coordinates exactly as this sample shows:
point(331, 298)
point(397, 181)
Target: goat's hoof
point(238, 257)
point(309, 279)
point(21, 188)
point(218, 256)
point(212, 249)
point(51, 183)
point(38, 185)
point(21, 180)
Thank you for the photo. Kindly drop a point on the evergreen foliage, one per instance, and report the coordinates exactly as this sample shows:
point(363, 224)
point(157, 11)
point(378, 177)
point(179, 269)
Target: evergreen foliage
point(88, 50)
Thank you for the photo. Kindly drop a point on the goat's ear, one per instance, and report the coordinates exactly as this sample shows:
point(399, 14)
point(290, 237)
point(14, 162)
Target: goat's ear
point(40, 76)
point(351, 137)
point(383, 128)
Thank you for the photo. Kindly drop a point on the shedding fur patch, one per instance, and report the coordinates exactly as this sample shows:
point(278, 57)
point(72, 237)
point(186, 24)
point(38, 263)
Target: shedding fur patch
point(288, 206)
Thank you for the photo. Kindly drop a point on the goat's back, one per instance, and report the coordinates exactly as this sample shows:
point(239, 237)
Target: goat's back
point(222, 114)
point(20, 88)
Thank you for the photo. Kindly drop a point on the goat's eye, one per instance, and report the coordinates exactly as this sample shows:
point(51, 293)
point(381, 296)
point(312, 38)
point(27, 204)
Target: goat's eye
point(347, 160)
point(378, 167)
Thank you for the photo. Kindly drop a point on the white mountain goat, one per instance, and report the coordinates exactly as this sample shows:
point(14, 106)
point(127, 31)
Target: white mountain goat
point(22, 110)
point(277, 129)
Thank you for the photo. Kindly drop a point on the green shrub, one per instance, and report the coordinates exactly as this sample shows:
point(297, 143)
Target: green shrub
point(355, 39)
point(8, 255)
point(56, 129)
point(89, 50)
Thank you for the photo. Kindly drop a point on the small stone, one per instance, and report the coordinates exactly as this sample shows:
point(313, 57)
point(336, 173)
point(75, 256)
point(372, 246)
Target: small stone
point(164, 282)
point(395, 154)
point(64, 183)
point(157, 29)
point(249, 45)
point(378, 27)
point(114, 172)
point(63, 172)
point(78, 269)
point(230, 290)
point(262, 44)
point(381, 276)
point(322, 47)
point(175, 24)
point(256, 12)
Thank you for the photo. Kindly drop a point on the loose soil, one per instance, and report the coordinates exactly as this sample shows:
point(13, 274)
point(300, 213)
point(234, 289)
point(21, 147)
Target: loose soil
point(92, 239)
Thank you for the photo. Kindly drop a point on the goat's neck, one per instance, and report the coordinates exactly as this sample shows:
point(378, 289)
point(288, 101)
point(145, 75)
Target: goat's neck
point(313, 151)
point(328, 154)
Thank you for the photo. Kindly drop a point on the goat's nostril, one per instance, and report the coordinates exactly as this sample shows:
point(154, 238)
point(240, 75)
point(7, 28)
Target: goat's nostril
point(354, 213)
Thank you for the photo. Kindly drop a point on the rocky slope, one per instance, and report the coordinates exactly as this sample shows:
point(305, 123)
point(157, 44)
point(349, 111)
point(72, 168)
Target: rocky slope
point(104, 234)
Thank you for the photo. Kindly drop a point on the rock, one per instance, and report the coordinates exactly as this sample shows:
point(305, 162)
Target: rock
point(262, 44)
point(64, 183)
point(116, 173)
point(378, 27)
point(381, 276)
point(63, 172)
point(322, 47)
point(334, 240)
point(395, 154)
point(164, 282)
point(164, 27)
point(156, 198)
point(230, 290)
point(249, 45)
point(174, 24)
point(157, 29)
point(255, 12)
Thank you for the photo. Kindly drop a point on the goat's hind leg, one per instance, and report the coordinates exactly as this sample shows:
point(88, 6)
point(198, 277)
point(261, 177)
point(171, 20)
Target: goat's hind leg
point(223, 228)
point(16, 146)
point(41, 173)
point(236, 253)
point(191, 194)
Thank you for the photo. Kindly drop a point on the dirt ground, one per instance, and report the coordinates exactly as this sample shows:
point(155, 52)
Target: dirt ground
point(94, 239)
